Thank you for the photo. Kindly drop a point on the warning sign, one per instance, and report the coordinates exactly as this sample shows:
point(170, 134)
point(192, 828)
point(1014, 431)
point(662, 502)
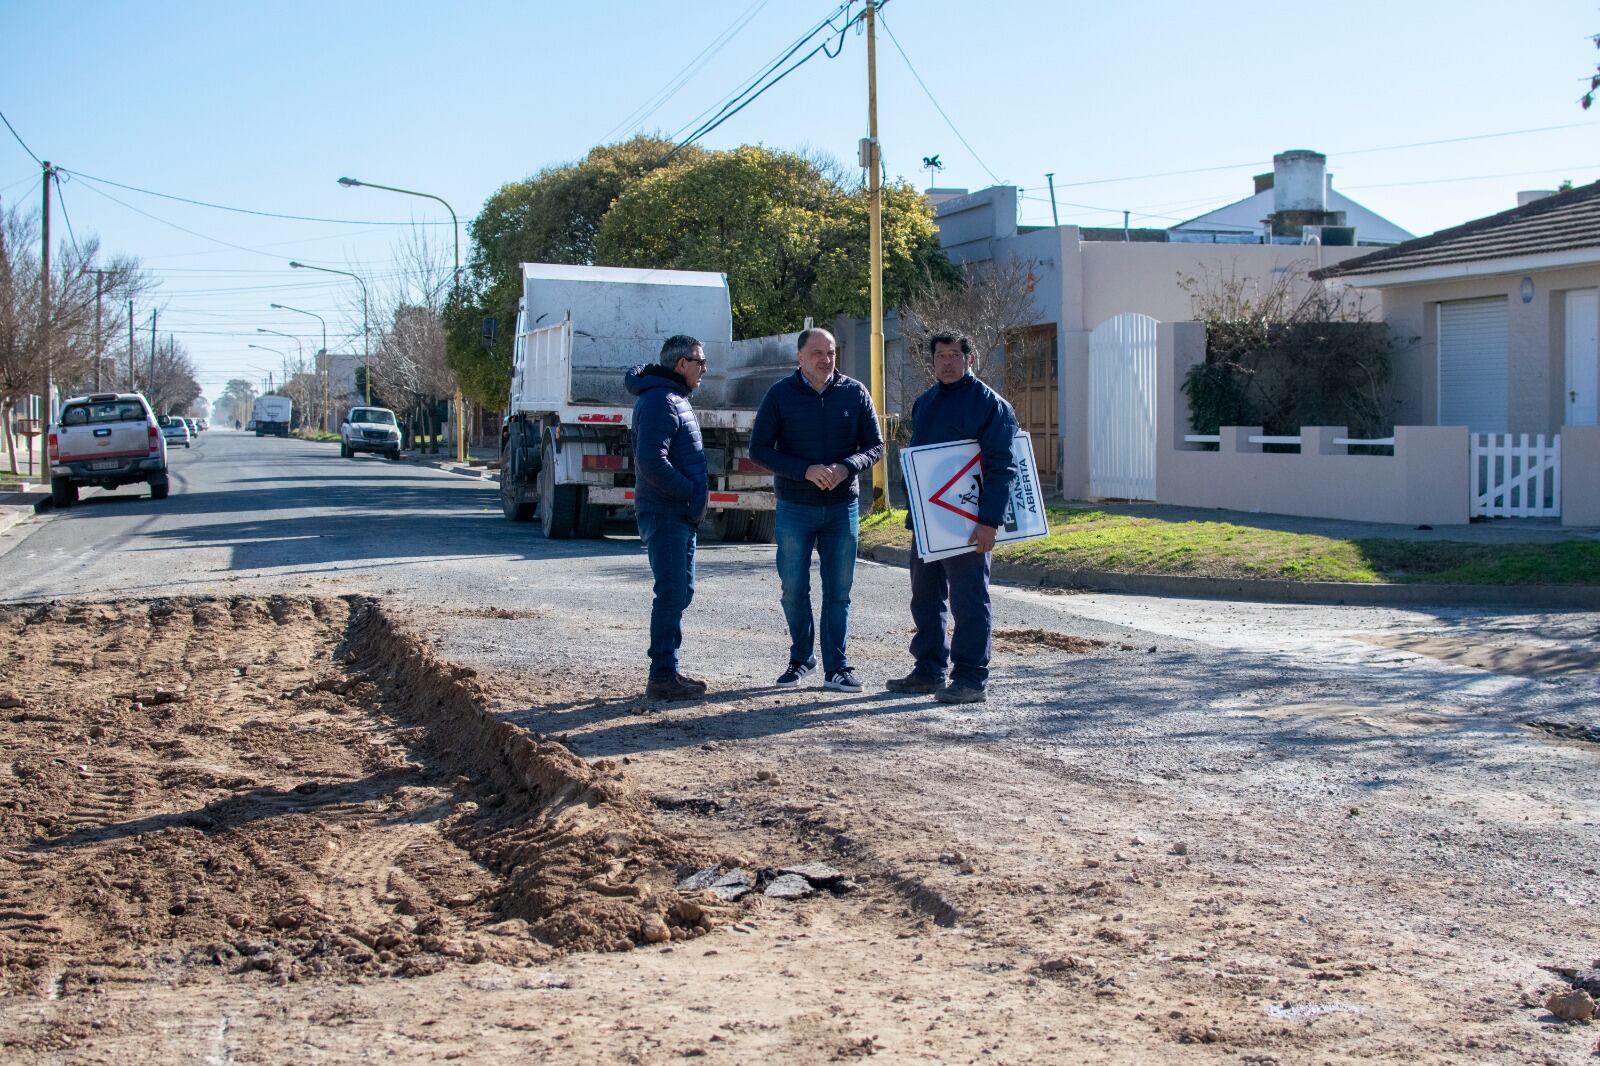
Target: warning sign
point(944, 482)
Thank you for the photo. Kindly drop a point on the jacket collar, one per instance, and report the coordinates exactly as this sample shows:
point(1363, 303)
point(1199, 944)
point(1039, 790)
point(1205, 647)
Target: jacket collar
point(675, 379)
point(956, 386)
point(802, 382)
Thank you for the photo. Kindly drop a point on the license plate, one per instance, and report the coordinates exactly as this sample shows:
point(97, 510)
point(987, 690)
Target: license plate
point(104, 464)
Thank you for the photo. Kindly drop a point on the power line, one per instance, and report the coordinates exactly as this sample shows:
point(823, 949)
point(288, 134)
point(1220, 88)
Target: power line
point(744, 98)
point(929, 93)
point(18, 136)
point(1475, 177)
point(246, 210)
point(683, 77)
point(62, 201)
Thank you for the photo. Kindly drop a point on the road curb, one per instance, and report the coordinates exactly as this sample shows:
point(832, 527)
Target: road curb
point(1559, 597)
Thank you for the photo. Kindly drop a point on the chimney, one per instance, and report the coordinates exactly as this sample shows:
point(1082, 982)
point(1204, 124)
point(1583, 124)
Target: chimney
point(1263, 182)
point(1300, 194)
point(937, 196)
point(1528, 196)
point(1299, 181)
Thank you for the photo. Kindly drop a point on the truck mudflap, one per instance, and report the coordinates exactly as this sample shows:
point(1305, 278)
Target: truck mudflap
point(725, 501)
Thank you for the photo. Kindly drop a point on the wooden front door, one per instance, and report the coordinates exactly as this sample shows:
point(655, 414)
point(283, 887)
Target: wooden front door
point(1030, 385)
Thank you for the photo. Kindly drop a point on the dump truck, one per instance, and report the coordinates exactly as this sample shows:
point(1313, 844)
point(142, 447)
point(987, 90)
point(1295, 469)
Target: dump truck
point(271, 414)
point(565, 447)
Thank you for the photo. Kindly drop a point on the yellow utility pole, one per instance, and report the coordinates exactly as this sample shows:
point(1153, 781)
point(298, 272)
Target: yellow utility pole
point(871, 156)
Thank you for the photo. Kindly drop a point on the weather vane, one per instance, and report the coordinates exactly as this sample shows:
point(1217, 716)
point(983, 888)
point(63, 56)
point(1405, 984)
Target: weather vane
point(932, 164)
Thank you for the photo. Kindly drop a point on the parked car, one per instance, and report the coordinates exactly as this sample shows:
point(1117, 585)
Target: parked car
point(205, 423)
point(250, 426)
point(369, 429)
point(194, 426)
point(108, 439)
point(174, 429)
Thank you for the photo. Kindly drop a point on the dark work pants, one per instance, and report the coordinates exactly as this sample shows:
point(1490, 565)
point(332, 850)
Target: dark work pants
point(669, 541)
point(962, 583)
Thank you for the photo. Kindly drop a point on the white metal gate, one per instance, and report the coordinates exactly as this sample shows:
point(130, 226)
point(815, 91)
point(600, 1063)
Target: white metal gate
point(1122, 408)
point(1516, 475)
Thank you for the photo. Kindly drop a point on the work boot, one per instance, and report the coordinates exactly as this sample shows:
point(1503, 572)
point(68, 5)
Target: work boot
point(674, 689)
point(960, 692)
point(914, 682)
point(692, 682)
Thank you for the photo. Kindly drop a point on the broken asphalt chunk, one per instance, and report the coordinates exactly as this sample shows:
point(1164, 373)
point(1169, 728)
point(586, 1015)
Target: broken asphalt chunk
point(790, 886)
point(819, 874)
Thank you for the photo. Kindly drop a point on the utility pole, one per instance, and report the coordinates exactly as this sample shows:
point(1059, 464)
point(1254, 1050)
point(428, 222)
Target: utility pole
point(99, 279)
point(44, 303)
point(880, 470)
point(150, 381)
point(133, 381)
point(1055, 218)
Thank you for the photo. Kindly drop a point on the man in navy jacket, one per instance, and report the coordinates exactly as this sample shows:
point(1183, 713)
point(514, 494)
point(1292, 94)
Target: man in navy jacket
point(816, 431)
point(959, 407)
point(669, 496)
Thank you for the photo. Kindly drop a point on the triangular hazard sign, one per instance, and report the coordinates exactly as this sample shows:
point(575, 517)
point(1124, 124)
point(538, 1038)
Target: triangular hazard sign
point(960, 493)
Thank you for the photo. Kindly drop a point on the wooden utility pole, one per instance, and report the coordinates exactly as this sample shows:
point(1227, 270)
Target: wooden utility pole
point(872, 156)
point(133, 382)
point(99, 279)
point(44, 304)
point(150, 379)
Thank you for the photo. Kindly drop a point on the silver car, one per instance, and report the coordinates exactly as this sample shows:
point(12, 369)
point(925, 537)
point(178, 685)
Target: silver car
point(369, 429)
point(174, 429)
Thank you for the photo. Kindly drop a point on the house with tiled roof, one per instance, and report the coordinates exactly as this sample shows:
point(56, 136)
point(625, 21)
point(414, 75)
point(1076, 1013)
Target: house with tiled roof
point(1506, 315)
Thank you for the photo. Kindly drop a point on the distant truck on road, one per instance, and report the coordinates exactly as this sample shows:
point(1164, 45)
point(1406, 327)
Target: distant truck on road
point(271, 414)
point(565, 449)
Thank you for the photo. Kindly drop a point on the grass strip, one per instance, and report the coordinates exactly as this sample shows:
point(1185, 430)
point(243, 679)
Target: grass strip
point(1094, 540)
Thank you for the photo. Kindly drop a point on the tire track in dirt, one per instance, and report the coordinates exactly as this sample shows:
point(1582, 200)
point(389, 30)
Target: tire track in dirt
point(296, 787)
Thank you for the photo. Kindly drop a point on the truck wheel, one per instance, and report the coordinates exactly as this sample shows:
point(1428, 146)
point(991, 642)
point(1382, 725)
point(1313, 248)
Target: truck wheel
point(558, 504)
point(730, 527)
point(159, 488)
point(591, 523)
point(63, 493)
point(514, 477)
point(763, 526)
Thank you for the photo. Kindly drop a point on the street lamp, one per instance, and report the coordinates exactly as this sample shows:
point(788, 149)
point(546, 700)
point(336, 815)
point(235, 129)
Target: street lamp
point(327, 415)
point(277, 333)
point(366, 338)
point(455, 280)
point(279, 352)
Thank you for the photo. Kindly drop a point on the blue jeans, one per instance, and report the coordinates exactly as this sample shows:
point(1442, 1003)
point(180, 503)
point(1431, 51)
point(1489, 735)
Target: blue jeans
point(669, 542)
point(831, 529)
point(962, 581)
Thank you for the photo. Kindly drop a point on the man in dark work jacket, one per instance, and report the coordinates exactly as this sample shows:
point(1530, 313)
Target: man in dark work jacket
point(959, 407)
point(816, 431)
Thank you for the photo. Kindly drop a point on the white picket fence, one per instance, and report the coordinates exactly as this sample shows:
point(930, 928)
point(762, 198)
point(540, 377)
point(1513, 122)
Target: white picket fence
point(1516, 475)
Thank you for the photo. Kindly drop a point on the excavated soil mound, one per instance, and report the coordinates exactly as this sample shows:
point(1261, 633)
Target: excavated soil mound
point(1030, 639)
point(296, 787)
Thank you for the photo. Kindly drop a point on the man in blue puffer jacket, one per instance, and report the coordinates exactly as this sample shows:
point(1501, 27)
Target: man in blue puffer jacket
point(959, 407)
point(669, 496)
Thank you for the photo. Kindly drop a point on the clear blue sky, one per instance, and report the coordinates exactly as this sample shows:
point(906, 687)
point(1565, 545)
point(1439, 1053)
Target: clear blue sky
point(262, 106)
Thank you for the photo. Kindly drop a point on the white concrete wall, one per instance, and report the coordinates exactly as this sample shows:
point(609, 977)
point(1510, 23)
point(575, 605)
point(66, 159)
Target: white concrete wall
point(1425, 481)
point(1580, 476)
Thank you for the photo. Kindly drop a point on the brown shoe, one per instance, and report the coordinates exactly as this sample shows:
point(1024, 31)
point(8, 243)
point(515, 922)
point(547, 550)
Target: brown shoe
point(692, 682)
point(959, 692)
point(914, 682)
point(674, 690)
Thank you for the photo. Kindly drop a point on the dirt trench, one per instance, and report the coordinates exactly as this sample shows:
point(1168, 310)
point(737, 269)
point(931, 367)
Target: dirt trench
point(295, 787)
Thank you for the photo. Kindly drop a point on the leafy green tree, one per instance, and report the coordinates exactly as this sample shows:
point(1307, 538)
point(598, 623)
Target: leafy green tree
point(551, 217)
point(790, 236)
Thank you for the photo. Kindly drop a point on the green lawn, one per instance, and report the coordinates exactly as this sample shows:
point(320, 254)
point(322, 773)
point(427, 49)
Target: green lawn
point(1095, 540)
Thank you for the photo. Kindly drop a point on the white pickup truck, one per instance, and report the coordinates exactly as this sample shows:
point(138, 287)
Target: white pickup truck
point(108, 439)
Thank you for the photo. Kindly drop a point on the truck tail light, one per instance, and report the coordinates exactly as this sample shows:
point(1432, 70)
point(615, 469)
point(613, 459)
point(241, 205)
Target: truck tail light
point(605, 462)
point(155, 439)
point(54, 448)
point(749, 466)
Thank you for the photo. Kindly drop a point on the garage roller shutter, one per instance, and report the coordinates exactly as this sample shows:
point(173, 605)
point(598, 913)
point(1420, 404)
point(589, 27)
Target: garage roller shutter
point(1473, 374)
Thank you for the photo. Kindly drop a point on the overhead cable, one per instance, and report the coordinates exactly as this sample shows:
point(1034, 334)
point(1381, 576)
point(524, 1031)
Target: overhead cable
point(18, 136)
point(929, 93)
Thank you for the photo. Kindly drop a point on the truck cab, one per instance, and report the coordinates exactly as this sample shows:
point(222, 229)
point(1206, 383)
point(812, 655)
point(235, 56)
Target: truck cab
point(107, 439)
